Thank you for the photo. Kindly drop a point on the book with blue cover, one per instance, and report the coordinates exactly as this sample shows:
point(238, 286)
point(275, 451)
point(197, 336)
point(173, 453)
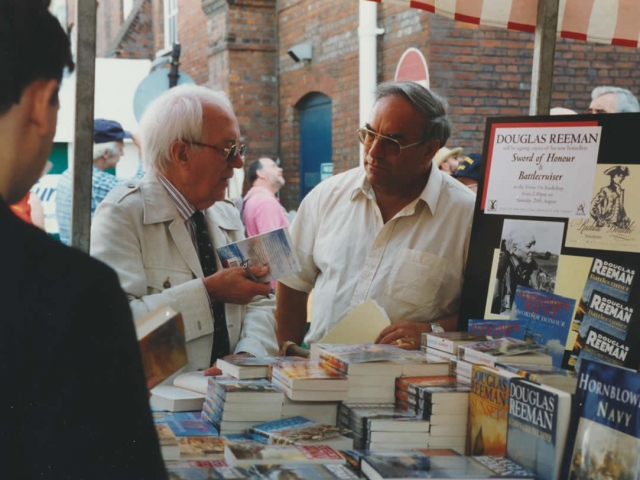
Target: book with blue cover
point(494, 328)
point(603, 347)
point(612, 279)
point(606, 424)
point(250, 390)
point(538, 424)
point(185, 423)
point(545, 319)
point(301, 431)
point(273, 248)
point(410, 466)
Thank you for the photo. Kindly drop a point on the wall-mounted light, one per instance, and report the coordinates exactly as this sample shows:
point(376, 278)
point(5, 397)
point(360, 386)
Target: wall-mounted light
point(302, 51)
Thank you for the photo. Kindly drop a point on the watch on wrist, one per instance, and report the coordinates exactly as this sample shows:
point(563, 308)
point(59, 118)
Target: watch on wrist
point(284, 347)
point(436, 327)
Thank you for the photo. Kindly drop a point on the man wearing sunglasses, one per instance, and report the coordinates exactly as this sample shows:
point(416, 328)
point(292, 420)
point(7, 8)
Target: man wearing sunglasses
point(396, 230)
point(160, 234)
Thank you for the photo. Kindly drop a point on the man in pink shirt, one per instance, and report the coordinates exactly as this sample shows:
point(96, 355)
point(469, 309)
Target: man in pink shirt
point(262, 211)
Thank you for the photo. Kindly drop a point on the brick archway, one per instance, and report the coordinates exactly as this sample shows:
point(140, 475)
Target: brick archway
point(313, 82)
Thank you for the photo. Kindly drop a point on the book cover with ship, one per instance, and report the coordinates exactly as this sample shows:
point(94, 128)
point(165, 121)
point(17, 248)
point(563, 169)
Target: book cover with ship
point(538, 424)
point(295, 430)
point(606, 424)
point(185, 423)
point(545, 319)
point(488, 411)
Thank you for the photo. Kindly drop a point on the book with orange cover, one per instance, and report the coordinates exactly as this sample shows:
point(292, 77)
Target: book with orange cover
point(488, 411)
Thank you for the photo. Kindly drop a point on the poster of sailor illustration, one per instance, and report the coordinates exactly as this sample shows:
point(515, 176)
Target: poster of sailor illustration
point(541, 169)
point(614, 212)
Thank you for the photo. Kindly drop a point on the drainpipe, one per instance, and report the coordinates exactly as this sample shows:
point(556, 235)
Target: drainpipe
point(368, 32)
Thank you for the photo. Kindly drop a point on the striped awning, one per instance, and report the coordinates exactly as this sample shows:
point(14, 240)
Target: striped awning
point(613, 22)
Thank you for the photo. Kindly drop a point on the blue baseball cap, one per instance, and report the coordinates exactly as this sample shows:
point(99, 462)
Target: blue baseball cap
point(470, 167)
point(105, 131)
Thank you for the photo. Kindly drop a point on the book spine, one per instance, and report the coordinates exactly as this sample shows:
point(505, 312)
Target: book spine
point(281, 377)
point(474, 356)
point(442, 344)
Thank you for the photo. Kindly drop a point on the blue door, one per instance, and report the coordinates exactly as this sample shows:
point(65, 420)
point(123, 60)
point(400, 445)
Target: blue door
point(315, 139)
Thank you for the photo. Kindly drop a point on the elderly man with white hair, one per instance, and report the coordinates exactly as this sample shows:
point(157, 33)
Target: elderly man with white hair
point(613, 100)
point(160, 233)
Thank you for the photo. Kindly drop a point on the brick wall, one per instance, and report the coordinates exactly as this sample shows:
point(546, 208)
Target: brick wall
point(192, 33)
point(242, 62)
point(331, 26)
point(241, 46)
point(135, 37)
point(108, 22)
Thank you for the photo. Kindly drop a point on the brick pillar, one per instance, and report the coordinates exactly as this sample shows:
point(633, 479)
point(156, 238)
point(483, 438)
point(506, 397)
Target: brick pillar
point(241, 55)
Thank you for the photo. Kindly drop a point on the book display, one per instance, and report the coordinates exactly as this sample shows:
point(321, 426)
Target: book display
point(555, 222)
point(539, 383)
point(606, 424)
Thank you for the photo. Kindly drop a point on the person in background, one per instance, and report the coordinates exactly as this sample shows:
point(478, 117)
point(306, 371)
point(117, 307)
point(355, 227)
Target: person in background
point(395, 230)
point(447, 160)
point(468, 173)
point(160, 233)
point(562, 111)
point(108, 144)
point(74, 402)
point(613, 100)
point(262, 211)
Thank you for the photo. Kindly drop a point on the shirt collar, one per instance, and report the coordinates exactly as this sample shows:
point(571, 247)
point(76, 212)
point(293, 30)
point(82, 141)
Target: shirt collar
point(429, 195)
point(184, 207)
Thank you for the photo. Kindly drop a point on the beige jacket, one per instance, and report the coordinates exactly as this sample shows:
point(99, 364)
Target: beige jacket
point(138, 232)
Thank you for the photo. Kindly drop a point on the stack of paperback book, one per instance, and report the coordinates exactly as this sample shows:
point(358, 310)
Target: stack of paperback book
point(251, 367)
point(301, 431)
point(382, 426)
point(308, 381)
point(234, 405)
point(506, 350)
point(369, 368)
point(556, 377)
point(443, 401)
point(320, 412)
point(444, 345)
point(372, 369)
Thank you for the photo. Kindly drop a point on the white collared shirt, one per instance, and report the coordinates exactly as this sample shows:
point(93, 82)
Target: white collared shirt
point(413, 265)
